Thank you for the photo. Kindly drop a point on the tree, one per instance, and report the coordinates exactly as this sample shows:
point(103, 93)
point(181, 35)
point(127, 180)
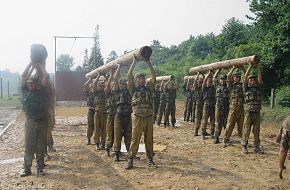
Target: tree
point(112, 56)
point(86, 66)
point(64, 62)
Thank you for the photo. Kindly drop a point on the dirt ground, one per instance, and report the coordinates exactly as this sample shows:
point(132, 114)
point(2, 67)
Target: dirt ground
point(187, 162)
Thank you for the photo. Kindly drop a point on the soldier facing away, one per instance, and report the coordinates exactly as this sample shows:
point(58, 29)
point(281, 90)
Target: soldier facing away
point(162, 104)
point(88, 88)
point(170, 89)
point(156, 102)
point(142, 121)
point(199, 102)
point(189, 93)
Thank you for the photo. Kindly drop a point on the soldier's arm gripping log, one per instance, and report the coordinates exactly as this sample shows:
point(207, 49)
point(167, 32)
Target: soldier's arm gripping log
point(142, 53)
point(107, 87)
point(117, 76)
point(95, 83)
point(25, 74)
point(131, 82)
point(259, 74)
point(152, 71)
point(246, 78)
point(230, 74)
point(205, 79)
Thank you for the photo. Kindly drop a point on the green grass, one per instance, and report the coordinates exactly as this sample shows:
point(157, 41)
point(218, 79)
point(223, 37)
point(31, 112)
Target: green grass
point(274, 116)
point(12, 101)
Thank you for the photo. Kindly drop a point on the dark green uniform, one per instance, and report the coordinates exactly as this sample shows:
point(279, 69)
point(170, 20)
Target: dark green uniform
point(170, 108)
point(35, 106)
point(111, 110)
point(156, 102)
point(222, 108)
point(100, 118)
point(252, 114)
point(161, 109)
point(91, 113)
point(199, 108)
point(209, 109)
point(236, 114)
point(188, 104)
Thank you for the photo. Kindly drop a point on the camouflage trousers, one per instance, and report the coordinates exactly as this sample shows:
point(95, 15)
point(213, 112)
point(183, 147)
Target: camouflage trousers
point(188, 109)
point(221, 118)
point(208, 113)
point(142, 125)
point(198, 116)
point(236, 115)
point(122, 128)
point(110, 131)
point(161, 111)
point(34, 142)
point(100, 128)
point(170, 109)
point(251, 119)
point(90, 117)
point(50, 125)
point(155, 110)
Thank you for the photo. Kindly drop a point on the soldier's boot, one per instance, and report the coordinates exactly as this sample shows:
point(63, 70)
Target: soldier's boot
point(98, 146)
point(107, 150)
point(51, 148)
point(258, 150)
point(117, 156)
point(216, 140)
point(26, 172)
point(47, 157)
point(245, 149)
point(203, 134)
point(151, 163)
point(129, 164)
point(212, 134)
point(40, 172)
point(89, 141)
point(196, 132)
point(226, 143)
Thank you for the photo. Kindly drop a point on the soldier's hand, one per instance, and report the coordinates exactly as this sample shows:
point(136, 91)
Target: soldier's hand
point(281, 172)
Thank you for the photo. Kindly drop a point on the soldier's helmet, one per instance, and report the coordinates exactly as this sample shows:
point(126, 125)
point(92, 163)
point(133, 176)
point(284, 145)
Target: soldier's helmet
point(172, 77)
point(252, 76)
point(123, 81)
point(237, 74)
point(223, 77)
point(139, 75)
point(38, 53)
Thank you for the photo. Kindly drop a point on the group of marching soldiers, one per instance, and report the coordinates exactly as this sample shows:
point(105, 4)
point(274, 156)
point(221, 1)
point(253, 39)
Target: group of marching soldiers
point(225, 100)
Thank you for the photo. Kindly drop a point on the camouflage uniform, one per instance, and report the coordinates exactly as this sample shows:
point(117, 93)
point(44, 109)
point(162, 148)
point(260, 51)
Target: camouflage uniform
point(170, 108)
point(161, 109)
point(123, 121)
point(91, 113)
point(236, 114)
point(222, 108)
point(199, 108)
point(100, 119)
point(156, 102)
point(35, 106)
point(209, 109)
point(188, 104)
point(111, 110)
point(252, 114)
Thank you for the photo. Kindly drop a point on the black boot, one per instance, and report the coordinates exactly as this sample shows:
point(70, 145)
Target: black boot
point(51, 148)
point(89, 141)
point(258, 150)
point(151, 163)
point(216, 140)
point(129, 164)
point(26, 172)
point(245, 149)
point(195, 132)
point(107, 151)
point(117, 156)
point(40, 172)
point(98, 146)
point(203, 134)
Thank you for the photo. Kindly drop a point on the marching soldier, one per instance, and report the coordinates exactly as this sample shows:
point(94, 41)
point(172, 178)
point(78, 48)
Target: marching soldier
point(111, 110)
point(284, 147)
point(143, 110)
point(236, 114)
point(123, 122)
point(199, 102)
point(209, 104)
point(170, 89)
point(156, 102)
point(189, 101)
point(162, 104)
point(222, 105)
point(252, 89)
point(100, 113)
point(88, 88)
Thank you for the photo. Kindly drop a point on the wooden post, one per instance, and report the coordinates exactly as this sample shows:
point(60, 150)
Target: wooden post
point(272, 101)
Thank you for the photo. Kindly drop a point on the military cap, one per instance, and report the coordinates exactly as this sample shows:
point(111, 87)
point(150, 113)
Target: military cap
point(122, 81)
point(237, 73)
point(223, 77)
point(101, 83)
point(140, 74)
point(252, 76)
point(38, 53)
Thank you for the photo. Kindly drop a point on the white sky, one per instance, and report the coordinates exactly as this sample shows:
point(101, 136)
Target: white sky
point(124, 25)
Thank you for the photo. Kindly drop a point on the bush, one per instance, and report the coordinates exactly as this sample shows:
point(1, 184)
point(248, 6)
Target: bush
point(282, 96)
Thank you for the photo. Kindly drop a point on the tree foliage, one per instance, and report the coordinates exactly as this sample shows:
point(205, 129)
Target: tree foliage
point(112, 56)
point(64, 62)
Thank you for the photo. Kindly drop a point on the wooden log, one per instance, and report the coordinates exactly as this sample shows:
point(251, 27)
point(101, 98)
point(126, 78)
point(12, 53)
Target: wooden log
point(225, 64)
point(159, 79)
point(192, 77)
point(142, 54)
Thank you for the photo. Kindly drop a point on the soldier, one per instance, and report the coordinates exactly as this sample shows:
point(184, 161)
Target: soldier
point(123, 121)
point(199, 102)
point(143, 110)
point(222, 105)
point(100, 113)
point(35, 106)
point(189, 101)
point(253, 99)
point(236, 114)
point(111, 111)
point(88, 88)
point(209, 104)
point(162, 104)
point(284, 147)
point(156, 102)
point(170, 89)
point(51, 115)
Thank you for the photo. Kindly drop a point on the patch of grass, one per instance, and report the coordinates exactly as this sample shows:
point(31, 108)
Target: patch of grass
point(12, 101)
point(274, 116)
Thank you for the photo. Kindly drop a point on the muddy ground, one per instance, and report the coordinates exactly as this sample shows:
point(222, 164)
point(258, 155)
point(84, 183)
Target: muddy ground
point(187, 162)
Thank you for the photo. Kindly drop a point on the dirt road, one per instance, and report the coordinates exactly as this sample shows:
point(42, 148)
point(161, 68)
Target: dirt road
point(187, 162)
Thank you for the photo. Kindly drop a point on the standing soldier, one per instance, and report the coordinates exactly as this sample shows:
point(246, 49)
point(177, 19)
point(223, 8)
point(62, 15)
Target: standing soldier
point(156, 102)
point(162, 104)
point(170, 89)
point(199, 102)
point(88, 88)
point(222, 105)
point(123, 122)
point(35, 107)
point(209, 105)
point(252, 89)
point(143, 111)
point(284, 147)
point(236, 114)
point(111, 110)
point(189, 101)
point(100, 113)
